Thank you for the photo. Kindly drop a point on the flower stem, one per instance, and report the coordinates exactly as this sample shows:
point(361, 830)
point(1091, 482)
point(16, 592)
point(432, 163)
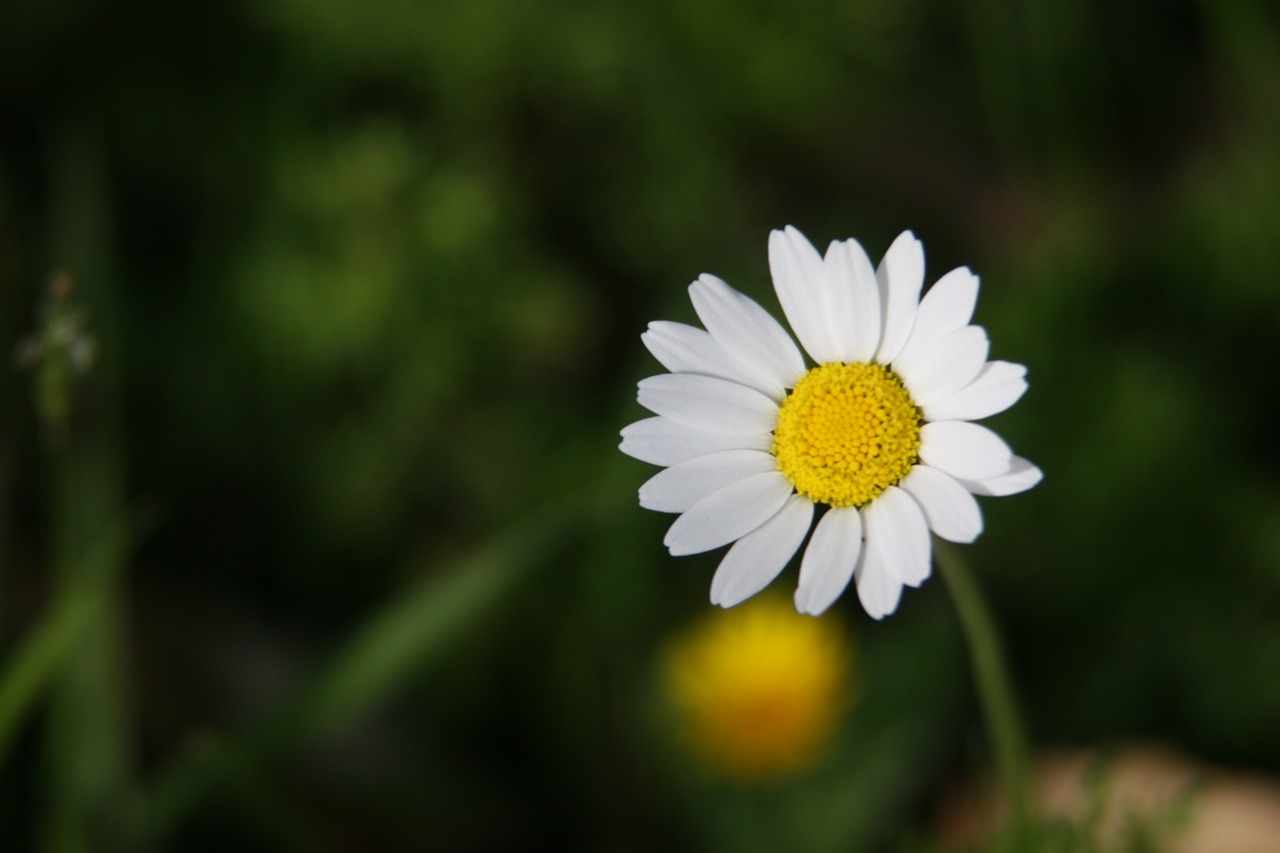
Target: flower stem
point(991, 675)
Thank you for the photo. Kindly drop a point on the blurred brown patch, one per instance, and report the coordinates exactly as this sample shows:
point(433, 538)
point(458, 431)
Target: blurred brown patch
point(1221, 811)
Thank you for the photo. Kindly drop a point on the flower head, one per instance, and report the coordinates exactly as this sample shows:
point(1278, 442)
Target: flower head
point(759, 689)
point(879, 431)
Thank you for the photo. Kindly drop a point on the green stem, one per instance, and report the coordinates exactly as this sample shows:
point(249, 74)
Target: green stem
point(88, 749)
point(991, 675)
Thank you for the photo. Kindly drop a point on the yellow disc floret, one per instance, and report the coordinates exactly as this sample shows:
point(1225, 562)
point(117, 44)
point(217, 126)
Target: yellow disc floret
point(846, 433)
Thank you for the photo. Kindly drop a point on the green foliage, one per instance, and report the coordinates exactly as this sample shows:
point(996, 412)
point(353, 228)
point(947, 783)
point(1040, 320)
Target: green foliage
point(366, 281)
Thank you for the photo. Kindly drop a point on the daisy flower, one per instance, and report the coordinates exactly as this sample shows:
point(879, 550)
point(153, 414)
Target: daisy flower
point(879, 433)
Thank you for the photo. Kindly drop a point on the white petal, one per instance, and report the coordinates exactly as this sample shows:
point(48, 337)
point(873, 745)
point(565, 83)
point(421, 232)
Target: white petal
point(681, 486)
point(996, 388)
point(897, 536)
point(660, 441)
point(878, 590)
point(936, 372)
point(853, 302)
point(748, 333)
point(900, 277)
point(728, 514)
point(798, 278)
point(965, 451)
point(1022, 475)
point(829, 560)
point(688, 349)
point(708, 403)
point(946, 307)
point(951, 511)
point(757, 558)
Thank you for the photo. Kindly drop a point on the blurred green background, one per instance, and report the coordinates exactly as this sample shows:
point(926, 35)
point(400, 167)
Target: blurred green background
point(366, 282)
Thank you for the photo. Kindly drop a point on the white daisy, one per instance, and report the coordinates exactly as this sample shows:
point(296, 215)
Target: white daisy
point(879, 432)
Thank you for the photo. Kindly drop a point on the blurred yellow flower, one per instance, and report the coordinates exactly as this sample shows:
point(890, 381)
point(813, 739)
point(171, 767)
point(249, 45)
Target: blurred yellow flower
point(760, 689)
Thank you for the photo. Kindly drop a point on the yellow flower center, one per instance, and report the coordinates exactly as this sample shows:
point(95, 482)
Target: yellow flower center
point(846, 433)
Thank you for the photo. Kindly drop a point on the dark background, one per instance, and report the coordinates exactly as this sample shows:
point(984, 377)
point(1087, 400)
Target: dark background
point(366, 282)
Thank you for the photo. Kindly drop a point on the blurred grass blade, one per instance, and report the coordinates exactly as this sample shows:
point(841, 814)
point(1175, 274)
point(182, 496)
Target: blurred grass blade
point(33, 666)
point(392, 648)
point(417, 628)
point(47, 648)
